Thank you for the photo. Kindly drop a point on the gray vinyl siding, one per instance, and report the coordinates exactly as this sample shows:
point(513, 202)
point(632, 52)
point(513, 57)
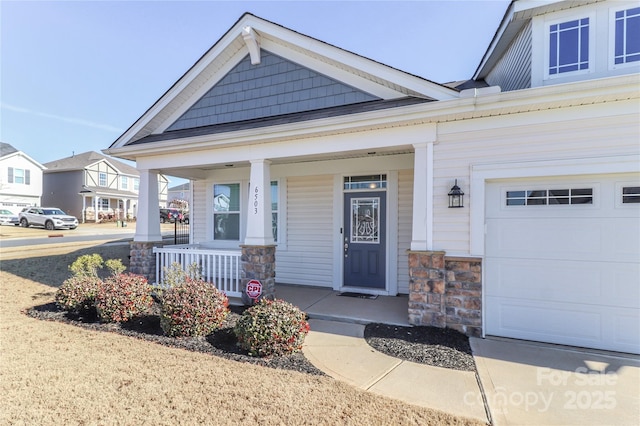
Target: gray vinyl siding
point(308, 258)
point(274, 87)
point(55, 192)
point(405, 218)
point(513, 70)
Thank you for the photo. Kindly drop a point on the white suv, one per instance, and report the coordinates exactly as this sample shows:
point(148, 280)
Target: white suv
point(49, 217)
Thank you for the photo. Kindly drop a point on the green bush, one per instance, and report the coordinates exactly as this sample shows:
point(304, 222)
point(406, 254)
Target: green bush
point(123, 296)
point(87, 265)
point(192, 308)
point(77, 294)
point(271, 328)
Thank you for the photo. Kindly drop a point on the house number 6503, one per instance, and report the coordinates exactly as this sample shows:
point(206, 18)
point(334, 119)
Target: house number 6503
point(255, 201)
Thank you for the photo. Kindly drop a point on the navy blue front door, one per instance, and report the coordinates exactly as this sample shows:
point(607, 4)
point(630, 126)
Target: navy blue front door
point(364, 248)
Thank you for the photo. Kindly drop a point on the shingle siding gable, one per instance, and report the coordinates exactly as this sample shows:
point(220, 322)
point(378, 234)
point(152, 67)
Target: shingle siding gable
point(274, 87)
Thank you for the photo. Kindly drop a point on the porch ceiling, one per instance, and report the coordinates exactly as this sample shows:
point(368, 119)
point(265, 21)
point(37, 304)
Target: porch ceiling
point(200, 171)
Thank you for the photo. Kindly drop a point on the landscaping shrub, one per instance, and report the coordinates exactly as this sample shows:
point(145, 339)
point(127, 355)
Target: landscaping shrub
point(271, 328)
point(193, 307)
point(77, 294)
point(123, 296)
point(86, 265)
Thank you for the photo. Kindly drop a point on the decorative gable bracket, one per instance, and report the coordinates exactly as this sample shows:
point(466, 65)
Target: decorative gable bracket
point(251, 40)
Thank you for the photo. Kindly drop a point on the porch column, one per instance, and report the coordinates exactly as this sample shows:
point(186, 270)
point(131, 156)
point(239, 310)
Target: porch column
point(148, 235)
point(422, 229)
point(148, 221)
point(96, 201)
point(259, 231)
point(258, 251)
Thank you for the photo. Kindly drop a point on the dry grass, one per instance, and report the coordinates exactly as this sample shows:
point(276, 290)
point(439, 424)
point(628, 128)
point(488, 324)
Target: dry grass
point(54, 373)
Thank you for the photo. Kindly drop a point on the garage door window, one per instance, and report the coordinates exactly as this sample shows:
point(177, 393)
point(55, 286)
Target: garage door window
point(630, 194)
point(546, 197)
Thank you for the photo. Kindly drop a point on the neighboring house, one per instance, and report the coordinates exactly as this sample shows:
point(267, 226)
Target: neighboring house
point(179, 197)
point(20, 179)
point(94, 187)
point(341, 167)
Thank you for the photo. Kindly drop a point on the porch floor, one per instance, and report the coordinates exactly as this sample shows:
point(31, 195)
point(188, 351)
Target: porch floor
point(326, 304)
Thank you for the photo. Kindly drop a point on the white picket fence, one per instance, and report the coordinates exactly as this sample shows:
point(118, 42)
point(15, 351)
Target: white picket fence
point(220, 267)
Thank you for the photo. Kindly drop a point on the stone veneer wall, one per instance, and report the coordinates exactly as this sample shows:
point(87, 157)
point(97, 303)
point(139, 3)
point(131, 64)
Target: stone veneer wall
point(258, 263)
point(445, 292)
point(142, 259)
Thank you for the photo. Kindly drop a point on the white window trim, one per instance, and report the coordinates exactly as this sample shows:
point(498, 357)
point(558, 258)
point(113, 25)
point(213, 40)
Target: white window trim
point(106, 179)
point(244, 195)
point(592, 45)
point(124, 183)
point(612, 38)
point(618, 195)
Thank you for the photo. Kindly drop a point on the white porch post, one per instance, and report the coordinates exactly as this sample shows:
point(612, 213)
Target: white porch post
point(259, 232)
point(96, 202)
point(422, 230)
point(148, 219)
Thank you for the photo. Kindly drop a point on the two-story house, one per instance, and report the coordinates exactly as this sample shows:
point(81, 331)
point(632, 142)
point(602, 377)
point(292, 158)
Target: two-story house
point(20, 179)
point(179, 196)
point(506, 205)
point(94, 187)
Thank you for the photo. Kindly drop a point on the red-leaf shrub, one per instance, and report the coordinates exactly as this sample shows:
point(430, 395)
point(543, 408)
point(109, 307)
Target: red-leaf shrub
point(77, 294)
point(192, 308)
point(123, 296)
point(271, 328)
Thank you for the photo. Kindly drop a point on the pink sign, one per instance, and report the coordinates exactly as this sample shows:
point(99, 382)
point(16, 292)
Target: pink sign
point(254, 289)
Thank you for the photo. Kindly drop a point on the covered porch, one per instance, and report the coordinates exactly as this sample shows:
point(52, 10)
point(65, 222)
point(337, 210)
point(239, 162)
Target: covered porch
point(222, 267)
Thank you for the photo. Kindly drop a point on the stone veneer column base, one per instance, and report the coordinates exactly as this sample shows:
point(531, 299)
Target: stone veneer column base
point(142, 259)
point(258, 263)
point(445, 292)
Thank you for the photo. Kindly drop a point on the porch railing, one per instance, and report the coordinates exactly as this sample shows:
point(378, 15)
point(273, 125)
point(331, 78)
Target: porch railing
point(220, 267)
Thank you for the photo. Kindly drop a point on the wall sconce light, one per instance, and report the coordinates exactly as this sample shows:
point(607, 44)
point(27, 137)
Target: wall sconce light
point(456, 196)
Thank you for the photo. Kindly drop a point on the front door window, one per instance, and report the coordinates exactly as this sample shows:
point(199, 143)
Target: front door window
point(365, 220)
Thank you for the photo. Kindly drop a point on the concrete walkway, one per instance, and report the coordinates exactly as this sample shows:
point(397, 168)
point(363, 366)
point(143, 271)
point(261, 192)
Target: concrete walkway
point(528, 383)
point(340, 350)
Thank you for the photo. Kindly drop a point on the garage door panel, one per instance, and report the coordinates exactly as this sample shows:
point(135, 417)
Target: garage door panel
point(564, 281)
point(576, 239)
point(539, 319)
point(568, 325)
point(529, 279)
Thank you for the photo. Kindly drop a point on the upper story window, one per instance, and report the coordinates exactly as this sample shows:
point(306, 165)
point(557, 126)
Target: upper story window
point(102, 179)
point(19, 176)
point(627, 36)
point(124, 182)
point(136, 184)
point(569, 46)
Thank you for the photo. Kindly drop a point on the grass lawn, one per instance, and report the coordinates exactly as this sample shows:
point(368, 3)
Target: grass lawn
point(54, 373)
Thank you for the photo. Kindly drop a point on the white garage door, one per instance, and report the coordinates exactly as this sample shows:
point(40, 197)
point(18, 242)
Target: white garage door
point(563, 261)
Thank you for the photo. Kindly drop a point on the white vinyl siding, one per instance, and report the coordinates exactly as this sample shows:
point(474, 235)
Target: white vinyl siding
point(513, 70)
point(405, 212)
point(198, 211)
point(536, 136)
point(309, 256)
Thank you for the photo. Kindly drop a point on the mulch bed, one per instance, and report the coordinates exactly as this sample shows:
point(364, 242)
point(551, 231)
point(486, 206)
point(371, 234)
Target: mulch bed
point(427, 345)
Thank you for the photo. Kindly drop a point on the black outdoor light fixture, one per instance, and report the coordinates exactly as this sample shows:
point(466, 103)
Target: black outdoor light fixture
point(456, 196)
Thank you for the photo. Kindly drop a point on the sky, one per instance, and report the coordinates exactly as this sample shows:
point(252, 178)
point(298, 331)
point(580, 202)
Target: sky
point(74, 75)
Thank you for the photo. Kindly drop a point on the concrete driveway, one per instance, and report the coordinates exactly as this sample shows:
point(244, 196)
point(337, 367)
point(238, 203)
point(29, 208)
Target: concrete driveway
point(527, 383)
